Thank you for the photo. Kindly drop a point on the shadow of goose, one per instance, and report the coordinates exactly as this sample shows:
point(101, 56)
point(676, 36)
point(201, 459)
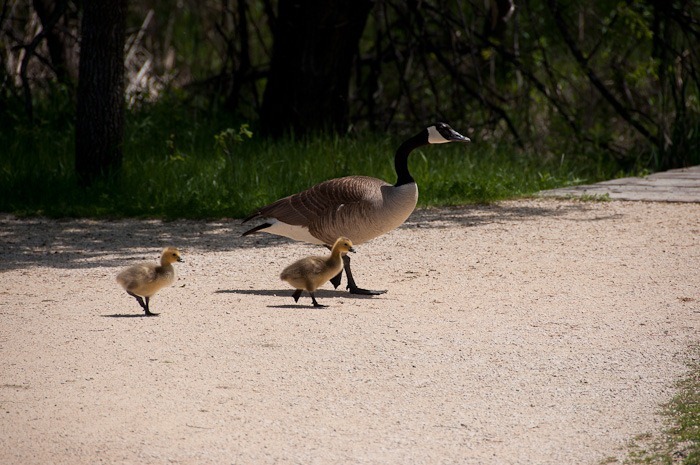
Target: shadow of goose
point(127, 315)
point(287, 292)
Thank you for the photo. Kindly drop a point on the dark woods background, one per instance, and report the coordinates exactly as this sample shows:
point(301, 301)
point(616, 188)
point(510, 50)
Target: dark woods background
point(613, 77)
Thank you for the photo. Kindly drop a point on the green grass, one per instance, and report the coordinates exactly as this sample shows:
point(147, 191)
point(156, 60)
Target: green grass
point(679, 444)
point(187, 164)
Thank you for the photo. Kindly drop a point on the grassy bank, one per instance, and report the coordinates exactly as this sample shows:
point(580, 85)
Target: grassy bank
point(180, 164)
point(679, 443)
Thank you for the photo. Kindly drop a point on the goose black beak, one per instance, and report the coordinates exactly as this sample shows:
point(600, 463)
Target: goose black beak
point(449, 134)
point(454, 136)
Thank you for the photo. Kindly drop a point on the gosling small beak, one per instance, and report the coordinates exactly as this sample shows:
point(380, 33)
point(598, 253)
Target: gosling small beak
point(179, 259)
point(351, 249)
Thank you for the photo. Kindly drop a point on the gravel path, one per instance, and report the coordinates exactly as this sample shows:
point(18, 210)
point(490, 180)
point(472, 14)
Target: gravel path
point(536, 331)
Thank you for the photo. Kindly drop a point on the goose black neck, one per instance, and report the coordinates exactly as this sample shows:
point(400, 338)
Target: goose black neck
point(403, 176)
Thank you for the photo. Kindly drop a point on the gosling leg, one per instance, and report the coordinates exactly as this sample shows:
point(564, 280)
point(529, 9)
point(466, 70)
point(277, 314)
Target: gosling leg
point(352, 287)
point(296, 295)
point(148, 311)
point(316, 304)
point(138, 299)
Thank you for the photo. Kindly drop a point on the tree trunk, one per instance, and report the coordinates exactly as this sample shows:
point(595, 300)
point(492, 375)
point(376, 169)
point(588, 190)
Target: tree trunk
point(496, 23)
point(49, 13)
point(99, 127)
point(315, 43)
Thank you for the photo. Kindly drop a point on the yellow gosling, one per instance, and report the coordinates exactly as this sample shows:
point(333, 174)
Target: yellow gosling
point(309, 273)
point(146, 279)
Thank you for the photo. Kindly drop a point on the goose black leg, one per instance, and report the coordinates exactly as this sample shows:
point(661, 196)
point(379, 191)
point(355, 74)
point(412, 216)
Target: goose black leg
point(316, 304)
point(296, 295)
point(335, 280)
point(352, 287)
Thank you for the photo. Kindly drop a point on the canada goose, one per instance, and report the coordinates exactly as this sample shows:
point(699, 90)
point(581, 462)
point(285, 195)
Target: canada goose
point(309, 273)
point(146, 279)
point(358, 207)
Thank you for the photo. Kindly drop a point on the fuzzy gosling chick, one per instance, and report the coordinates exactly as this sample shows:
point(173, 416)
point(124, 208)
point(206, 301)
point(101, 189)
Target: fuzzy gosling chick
point(309, 273)
point(144, 280)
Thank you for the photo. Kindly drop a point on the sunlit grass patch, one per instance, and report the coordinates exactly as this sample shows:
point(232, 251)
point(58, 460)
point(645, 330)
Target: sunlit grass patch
point(180, 164)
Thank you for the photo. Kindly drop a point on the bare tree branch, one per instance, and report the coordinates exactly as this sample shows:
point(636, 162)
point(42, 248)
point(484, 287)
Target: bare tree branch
point(593, 77)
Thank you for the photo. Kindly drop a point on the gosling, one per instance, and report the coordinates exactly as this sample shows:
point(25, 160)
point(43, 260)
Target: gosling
point(144, 280)
point(309, 273)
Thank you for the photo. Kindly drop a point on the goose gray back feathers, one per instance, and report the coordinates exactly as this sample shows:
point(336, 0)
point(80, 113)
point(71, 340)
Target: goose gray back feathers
point(358, 207)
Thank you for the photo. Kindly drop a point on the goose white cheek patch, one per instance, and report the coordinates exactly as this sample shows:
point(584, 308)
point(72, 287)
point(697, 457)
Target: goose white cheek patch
point(434, 136)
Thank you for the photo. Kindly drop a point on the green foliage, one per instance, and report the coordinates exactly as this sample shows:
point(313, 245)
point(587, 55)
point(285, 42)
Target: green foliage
point(603, 79)
point(686, 408)
point(181, 162)
point(227, 139)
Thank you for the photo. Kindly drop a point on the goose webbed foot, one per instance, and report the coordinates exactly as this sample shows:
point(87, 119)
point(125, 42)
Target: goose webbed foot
point(352, 287)
point(361, 291)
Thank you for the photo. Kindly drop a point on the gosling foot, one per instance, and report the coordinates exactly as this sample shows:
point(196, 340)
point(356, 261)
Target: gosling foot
point(315, 302)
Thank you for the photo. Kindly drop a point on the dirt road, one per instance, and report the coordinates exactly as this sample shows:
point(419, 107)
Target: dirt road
point(537, 331)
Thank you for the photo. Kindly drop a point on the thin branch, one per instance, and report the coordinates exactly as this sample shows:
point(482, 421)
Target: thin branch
point(593, 77)
point(459, 77)
point(30, 52)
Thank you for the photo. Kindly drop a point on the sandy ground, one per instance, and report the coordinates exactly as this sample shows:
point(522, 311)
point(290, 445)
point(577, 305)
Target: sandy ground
point(536, 331)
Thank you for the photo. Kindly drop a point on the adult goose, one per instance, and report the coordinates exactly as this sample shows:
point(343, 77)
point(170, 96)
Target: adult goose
point(357, 207)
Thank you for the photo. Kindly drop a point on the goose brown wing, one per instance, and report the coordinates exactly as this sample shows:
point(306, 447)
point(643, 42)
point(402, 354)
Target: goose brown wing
point(308, 206)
